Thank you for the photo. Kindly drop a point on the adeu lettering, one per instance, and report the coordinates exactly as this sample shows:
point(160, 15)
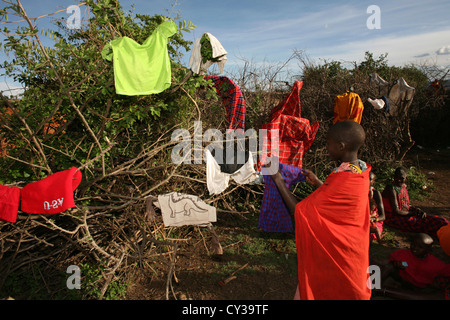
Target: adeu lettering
point(55, 204)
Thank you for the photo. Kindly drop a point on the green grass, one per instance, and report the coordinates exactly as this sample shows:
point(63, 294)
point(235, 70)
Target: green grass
point(264, 252)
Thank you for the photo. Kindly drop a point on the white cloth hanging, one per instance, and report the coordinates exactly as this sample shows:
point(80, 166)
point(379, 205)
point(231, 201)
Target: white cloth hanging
point(217, 181)
point(403, 86)
point(401, 97)
point(379, 80)
point(218, 51)
point(376, 103)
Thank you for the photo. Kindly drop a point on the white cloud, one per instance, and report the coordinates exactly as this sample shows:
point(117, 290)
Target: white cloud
point(401, 49)
point(444, 50)
point(10, 89)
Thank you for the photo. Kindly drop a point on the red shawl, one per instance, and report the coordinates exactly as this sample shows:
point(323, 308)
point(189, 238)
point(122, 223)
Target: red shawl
point(332, 237)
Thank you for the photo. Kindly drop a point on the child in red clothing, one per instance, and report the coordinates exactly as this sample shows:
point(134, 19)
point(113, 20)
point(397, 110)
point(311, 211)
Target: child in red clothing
point(418, 269)
point(376, 211)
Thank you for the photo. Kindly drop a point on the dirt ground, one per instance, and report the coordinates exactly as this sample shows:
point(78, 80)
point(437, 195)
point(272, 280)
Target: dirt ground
point(199, 275)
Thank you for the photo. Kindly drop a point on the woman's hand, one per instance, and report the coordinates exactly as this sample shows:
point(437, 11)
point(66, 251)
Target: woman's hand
point(312, 178)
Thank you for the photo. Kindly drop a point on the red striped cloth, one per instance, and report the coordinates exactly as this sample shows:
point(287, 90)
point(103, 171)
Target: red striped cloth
point(295, 134)
point(233, 100)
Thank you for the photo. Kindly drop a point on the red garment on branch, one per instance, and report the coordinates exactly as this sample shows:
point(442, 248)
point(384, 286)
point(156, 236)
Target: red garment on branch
point(9, 203)
point(332, 239)
point(53, 194)
point(232, 99)
point(295, 134)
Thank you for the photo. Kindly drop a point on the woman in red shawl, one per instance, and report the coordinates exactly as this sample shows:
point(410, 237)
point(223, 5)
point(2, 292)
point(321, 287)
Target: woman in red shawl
point(332, 223)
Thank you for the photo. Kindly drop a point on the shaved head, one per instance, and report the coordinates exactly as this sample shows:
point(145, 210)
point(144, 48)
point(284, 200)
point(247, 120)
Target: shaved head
point(424, 239)
point(350, 133)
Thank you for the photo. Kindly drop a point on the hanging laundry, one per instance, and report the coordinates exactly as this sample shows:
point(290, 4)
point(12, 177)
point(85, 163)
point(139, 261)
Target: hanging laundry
point(180, 209)
point(387, 105)
point(274, 216)
point(397, 97)
point(375, 78)
point(51, 195)
point(290, 105)
point(295, 134)
point(9, 203)
point(217, 181)
point(232, 155)
point(401, 97)
point(233, 100)
point(348, 106)
point(379, 88)
point(206, 51)
point(403, 86)
point(141, 69)
point(378, 104)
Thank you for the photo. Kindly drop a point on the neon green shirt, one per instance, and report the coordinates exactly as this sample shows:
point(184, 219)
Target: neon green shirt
point(141, 69)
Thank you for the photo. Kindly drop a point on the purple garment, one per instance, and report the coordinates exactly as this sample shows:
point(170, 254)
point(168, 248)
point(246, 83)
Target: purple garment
point(274, 216)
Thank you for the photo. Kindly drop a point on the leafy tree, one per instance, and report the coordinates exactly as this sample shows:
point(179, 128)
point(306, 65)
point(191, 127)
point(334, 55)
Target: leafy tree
point(71, 87)
point(379, 65)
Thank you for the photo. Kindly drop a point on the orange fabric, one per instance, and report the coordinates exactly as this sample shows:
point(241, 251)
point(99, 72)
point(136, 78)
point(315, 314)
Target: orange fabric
point(348, 106)
point(332, 238)
point(443, 235)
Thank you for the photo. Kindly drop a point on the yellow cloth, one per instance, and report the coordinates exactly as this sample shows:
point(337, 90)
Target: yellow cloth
point(348, 106)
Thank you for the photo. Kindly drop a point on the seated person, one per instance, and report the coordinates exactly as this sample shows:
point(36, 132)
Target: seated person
point(401, 215)
point(423, 275)
point(376, 211)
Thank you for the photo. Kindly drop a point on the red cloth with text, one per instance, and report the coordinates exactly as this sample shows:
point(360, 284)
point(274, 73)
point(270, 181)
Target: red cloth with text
point(51, 195)
point(332, 239)
point(9, 203)
point(295, 134)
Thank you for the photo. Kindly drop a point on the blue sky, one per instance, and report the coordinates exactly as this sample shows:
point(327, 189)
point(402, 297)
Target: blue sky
point(414, 31)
